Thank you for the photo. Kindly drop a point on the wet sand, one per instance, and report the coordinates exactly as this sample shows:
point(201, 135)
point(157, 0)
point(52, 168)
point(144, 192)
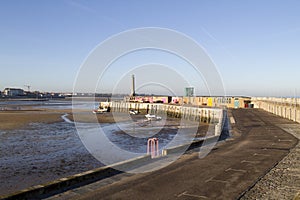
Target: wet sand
point(87, 117)
point(18, 119)
point(32, 153)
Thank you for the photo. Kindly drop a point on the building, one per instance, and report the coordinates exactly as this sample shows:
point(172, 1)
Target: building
point(149, 99)
point(216, 101)
point(189, 91)
point(13, 92)
point(176, 100)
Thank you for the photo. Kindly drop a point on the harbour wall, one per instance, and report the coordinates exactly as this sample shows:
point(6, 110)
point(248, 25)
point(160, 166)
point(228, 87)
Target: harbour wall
point(202, 114)
point(215, 116)
point(288, 108)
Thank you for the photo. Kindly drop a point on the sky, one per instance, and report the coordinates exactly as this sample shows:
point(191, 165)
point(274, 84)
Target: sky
point(255, 45)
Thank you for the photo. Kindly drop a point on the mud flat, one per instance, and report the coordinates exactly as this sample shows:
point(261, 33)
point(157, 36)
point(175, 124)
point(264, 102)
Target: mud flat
point(86, 117)
point(15, 119)
point(38, 146)
point(33, 151)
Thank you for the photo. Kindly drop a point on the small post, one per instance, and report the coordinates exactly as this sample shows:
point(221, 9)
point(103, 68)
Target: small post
point(152, 147)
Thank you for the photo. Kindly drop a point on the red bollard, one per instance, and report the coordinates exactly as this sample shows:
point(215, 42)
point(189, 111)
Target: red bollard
point(152, 147)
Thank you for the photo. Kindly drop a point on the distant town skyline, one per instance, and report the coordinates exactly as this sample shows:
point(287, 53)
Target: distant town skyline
point(255, 45)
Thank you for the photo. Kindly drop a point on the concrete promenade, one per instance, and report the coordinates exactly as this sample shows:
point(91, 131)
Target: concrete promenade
point(230, 171)
point(283, 181)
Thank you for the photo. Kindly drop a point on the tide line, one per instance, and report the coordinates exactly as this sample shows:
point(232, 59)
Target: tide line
point(64, 117)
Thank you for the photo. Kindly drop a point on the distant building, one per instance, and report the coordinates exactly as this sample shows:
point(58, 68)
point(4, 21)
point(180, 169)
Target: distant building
point(148, 99)
point(199, 101)
point(176, 100)
point(13, 92)
point(189, 91)
point(215, 101)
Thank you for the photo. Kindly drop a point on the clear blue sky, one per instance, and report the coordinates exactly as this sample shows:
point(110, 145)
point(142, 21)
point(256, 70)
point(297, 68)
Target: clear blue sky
point(254, 44)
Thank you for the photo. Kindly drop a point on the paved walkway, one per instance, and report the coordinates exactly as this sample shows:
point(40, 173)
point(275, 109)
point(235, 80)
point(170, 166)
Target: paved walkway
point(283, 181)
point(232, 168)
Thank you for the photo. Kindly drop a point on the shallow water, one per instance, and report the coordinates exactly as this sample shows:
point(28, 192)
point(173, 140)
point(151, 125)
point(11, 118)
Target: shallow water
point(51, 104)
point(55, 104)
point(41, 142)
point(111, 143)
point(41, 153)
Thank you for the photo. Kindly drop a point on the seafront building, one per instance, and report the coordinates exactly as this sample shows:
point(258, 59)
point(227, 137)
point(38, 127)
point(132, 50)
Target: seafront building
point(200, 101)
point(18, 93)
point(190, 99)
point(12, 92)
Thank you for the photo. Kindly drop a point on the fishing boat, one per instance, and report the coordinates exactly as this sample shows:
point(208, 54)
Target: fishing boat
point(133, 112)
point(103, 108)
point(100, 110)
point(152, 117)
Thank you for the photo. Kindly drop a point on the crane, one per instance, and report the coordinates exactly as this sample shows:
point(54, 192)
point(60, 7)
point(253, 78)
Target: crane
point(28, 87)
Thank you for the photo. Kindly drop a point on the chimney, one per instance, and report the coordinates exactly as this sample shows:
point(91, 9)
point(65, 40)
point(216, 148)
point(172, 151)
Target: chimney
point(133, 86)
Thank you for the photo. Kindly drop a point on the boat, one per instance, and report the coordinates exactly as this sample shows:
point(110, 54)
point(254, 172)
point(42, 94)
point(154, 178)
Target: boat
point(103, 108)
point(100, 110)
point(133, 112)
point(152, 117)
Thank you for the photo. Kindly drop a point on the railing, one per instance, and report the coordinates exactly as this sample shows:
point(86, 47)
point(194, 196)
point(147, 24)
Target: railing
point(284, 107)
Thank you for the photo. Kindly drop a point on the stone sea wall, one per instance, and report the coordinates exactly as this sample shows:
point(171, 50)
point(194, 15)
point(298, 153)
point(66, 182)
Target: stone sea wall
point(206, 115)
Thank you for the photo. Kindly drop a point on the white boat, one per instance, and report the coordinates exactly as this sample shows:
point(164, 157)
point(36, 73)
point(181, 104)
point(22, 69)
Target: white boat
point(152, 117)
point(100, 110)
point(133, 112)
point(103, 108)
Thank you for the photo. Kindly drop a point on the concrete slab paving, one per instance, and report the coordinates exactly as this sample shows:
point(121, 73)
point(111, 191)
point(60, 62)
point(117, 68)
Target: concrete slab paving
point(283, 181)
